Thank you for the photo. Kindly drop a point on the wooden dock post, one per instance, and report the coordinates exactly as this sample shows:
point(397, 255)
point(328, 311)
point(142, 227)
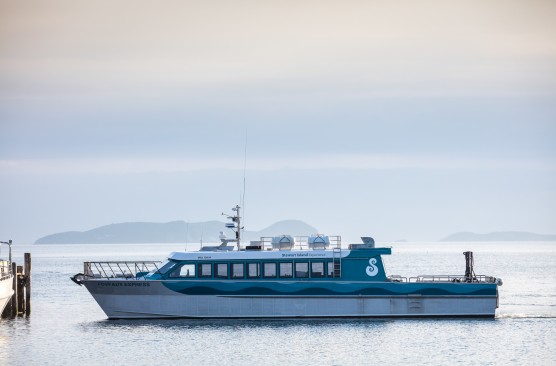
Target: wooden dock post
point(20, 290)
point(27, 258)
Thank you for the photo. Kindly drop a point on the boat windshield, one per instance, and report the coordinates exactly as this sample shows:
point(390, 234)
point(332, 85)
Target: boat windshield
point(165, 267)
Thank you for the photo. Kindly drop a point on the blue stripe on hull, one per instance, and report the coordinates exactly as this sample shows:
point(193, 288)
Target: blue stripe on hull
point(328, 289)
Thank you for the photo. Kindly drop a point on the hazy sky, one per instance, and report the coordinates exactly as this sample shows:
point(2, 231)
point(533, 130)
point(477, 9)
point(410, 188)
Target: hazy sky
point(396, 119)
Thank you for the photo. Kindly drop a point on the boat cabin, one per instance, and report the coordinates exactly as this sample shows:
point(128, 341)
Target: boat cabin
point(280, 258)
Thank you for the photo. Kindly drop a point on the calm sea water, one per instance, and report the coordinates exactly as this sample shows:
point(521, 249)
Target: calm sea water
point(68, 328)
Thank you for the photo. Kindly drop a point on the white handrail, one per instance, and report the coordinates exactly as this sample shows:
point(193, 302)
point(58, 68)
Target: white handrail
point(453, 278)
point(127, 270)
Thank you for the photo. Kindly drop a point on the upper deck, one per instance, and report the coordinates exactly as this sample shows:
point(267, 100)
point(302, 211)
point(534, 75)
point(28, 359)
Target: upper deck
point(282, 257)
point(293, 254)
point(283, 246)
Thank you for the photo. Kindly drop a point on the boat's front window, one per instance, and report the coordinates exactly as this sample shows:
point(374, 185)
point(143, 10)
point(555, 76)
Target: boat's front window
point(165, 267)
point(186, 270)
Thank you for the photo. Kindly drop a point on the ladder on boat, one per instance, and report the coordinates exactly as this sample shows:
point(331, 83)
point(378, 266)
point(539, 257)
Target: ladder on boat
point(337, 262)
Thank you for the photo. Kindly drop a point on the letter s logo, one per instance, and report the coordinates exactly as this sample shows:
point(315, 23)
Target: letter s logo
point(372, 269)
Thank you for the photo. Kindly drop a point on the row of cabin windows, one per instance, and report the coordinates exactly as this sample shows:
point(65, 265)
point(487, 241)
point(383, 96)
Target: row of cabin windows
point(253, 270)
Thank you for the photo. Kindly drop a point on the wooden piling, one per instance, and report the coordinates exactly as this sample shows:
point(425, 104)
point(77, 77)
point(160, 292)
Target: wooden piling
point(27, 258)
point(20, 291)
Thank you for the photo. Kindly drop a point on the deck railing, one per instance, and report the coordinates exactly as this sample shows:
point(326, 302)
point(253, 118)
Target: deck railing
point(6, 265)
point(5, 269)
point(127, 270)
point(452, 278)
point(444, 278)
point(300, 243)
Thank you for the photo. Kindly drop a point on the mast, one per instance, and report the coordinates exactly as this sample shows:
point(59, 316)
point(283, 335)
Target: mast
point(237, 220)
point(235, 225)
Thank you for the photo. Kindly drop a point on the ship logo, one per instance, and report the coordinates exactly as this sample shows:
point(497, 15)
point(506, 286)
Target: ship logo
point(372, 269)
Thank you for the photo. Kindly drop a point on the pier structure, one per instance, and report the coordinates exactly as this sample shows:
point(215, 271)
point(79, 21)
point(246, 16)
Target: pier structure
point(20, 303)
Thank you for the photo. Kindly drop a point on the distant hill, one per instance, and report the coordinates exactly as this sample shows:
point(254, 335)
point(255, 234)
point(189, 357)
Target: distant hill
point(170, 232)
point(500, 236)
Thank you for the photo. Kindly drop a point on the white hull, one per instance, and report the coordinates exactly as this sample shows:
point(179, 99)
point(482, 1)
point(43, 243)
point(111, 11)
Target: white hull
point(168, 304)
point(6, 292)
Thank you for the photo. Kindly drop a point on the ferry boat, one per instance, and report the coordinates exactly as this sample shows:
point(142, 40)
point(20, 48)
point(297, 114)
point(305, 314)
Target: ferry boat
point(6, 277)
point(283, 277)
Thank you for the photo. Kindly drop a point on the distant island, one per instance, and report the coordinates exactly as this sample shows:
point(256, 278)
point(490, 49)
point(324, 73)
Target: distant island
point(170, 232)
point(500, 236)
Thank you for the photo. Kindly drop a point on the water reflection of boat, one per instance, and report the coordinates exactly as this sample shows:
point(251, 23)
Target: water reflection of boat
point(6, 277)
point(283, 276)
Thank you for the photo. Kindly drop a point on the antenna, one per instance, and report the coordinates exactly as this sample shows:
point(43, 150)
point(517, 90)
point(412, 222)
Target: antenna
point(186, 234)
point(235, 225)
point(202, 233)
point(244, 171)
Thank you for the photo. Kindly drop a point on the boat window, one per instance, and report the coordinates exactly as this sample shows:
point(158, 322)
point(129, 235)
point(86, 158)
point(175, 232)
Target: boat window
point(221, 270)
point(302, 269)
point(330, 267)
point(253, 270)
point(205, 270)
point(237, 270)
point(269, 269)
point(187, 270)
point(166, 267)
point(286, 269)
point(317, 269)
